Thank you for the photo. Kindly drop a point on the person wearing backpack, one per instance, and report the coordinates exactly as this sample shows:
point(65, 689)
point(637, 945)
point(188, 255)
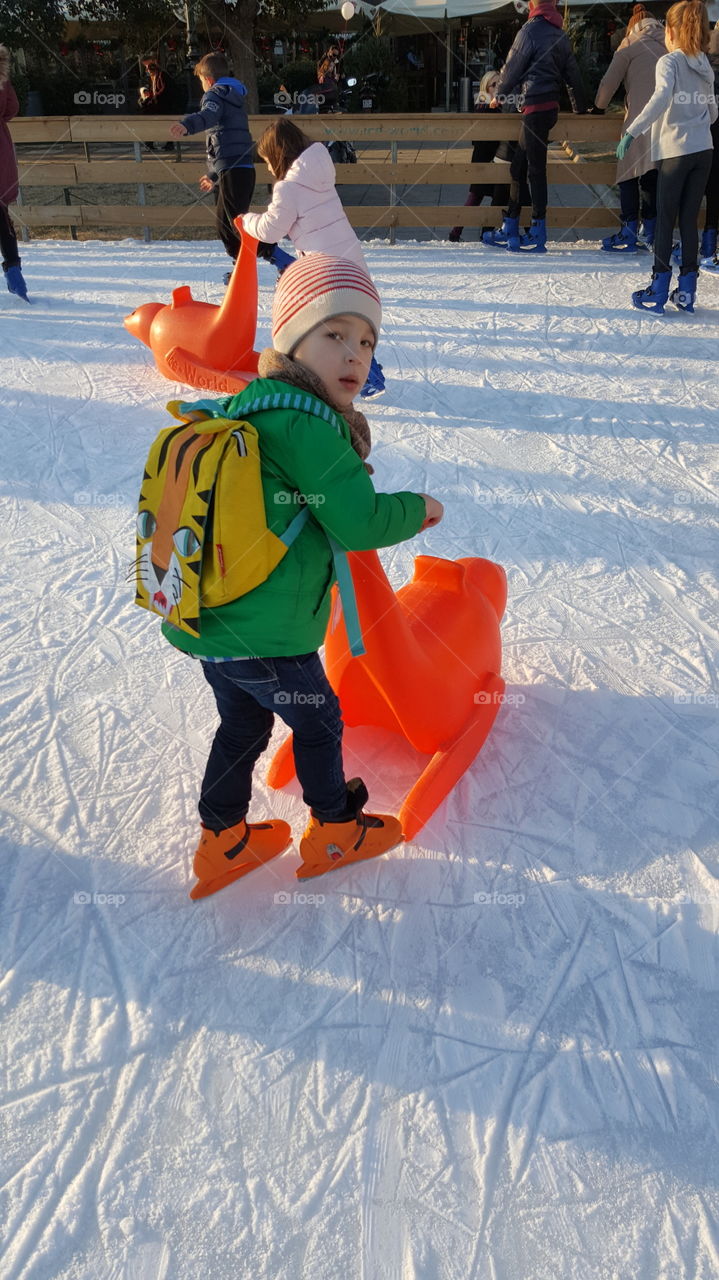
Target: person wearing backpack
point(540, 61)
point(634, 66)
point(259, 652)
point(680, 114)
point(9, 108)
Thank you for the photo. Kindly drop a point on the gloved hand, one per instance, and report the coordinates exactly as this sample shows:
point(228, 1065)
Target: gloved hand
point(623, 145)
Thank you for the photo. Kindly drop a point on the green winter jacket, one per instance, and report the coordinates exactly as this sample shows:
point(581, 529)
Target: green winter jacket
point(309, 454)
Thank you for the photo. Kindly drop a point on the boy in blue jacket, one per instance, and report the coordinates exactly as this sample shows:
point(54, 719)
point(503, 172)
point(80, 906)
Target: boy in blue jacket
point(230, 167)
point(539, 62)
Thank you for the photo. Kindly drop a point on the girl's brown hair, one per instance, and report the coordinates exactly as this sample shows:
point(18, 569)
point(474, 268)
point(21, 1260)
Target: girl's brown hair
point(690, 26)
point(639, 13)
point(281, 144)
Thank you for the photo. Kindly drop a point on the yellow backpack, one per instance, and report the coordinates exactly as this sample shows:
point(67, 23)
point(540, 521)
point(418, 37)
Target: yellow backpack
point(202, 535)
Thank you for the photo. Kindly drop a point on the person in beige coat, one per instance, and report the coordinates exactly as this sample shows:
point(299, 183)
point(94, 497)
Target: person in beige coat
point(633, 65)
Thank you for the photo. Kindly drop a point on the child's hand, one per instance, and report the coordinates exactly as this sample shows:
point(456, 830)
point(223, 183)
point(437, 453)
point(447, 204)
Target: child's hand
point(177, 130)
point(434, 509)
point(206, 184)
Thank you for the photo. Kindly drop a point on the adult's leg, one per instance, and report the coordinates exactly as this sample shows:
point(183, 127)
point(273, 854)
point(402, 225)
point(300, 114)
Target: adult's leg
point(669, 189)
point(233, 196)
point(711, 221)
point(629, 199)
point(536, 128)
point(518, 169)
point(695, 181)
point(648, 184)
point(8, 240)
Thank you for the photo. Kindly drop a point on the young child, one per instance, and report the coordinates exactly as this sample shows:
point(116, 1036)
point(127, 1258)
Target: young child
point(259, 653)
point(634, 66)
point(305, 205)
point(487, 151)
point(540, 61)
point(9, 108)
point(230, 162)
point(680, 114)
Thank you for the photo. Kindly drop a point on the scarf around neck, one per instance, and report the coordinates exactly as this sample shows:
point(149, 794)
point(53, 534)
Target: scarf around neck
point(272, 364)
point(549, 11)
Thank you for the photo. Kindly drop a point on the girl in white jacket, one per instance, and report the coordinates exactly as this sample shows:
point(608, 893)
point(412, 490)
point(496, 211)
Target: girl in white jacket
point(305, 205)
point(680, 114)
point(306, 208)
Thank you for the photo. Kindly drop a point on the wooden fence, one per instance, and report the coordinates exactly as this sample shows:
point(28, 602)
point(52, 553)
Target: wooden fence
point(394, 151)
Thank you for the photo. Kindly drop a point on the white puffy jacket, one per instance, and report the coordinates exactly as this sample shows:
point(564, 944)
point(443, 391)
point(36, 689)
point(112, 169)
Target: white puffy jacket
point(306, 207)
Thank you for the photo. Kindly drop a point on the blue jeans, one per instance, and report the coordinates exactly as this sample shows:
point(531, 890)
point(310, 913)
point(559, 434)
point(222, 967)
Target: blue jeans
point(248, 692)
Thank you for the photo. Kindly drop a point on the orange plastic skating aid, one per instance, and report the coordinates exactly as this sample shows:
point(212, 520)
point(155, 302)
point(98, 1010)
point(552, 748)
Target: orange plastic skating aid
point(224, 856)
point(327, 846)
point(202, 345)
point(431, 670)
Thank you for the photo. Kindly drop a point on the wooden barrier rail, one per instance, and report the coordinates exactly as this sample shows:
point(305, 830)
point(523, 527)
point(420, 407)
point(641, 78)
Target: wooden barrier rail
point(393, 152)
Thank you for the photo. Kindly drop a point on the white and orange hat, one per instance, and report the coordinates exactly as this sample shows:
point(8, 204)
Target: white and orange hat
point(315, 288)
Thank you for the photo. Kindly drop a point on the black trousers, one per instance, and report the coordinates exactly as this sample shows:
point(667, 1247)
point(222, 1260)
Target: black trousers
point(711, 222)
point(233, 195)
point(629, 196)
point(682, 180)
point(529, 163)
point(8, 240)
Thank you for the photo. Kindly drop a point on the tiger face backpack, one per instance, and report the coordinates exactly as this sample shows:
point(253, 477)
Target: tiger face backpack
point(202, 535)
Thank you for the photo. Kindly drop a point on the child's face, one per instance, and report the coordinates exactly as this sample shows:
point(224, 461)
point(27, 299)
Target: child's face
point(339, 351)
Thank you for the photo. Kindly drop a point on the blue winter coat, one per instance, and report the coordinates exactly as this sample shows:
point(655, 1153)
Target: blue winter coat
point(223, 115)
point(541, 61)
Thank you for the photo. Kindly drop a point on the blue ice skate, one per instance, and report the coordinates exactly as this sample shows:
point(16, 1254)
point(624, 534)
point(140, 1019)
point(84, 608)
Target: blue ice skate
point(685, 295)
point(535, 241)
point(624, 240)
point(507, 237)
point(656, 293)
point(374, 386)
point(15, 282)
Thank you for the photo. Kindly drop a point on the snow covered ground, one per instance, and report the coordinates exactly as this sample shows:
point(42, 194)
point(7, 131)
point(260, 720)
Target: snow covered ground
point(491, 1055)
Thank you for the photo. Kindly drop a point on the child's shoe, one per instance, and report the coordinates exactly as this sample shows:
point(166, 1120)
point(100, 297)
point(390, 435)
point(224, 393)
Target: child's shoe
point(375, 385)
point(15, 282)
point(226, 278)
point(455, 235)
point(684, 296)
point(656, 293)
point(327, 846)
point(224, 856)
point(677, 253)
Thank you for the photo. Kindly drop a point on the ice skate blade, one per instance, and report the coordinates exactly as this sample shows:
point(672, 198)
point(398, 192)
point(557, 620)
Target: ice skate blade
point(308, 871)
point(205, 888)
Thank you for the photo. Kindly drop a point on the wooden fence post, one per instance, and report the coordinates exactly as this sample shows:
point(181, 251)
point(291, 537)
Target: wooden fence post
point(146, 231)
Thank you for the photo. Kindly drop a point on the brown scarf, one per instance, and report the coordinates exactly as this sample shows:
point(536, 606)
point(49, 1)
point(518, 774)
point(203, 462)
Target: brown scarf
point(274, 365)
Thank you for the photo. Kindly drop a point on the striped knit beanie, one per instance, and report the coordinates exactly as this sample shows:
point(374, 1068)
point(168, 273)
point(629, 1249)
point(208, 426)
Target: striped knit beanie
point(315, 288)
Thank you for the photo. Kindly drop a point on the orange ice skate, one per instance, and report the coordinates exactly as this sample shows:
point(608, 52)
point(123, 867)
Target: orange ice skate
point(224, 856)
point(327, 846)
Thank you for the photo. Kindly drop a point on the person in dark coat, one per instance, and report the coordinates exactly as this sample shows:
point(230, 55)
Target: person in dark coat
point(9, 108)
point(539, 63)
